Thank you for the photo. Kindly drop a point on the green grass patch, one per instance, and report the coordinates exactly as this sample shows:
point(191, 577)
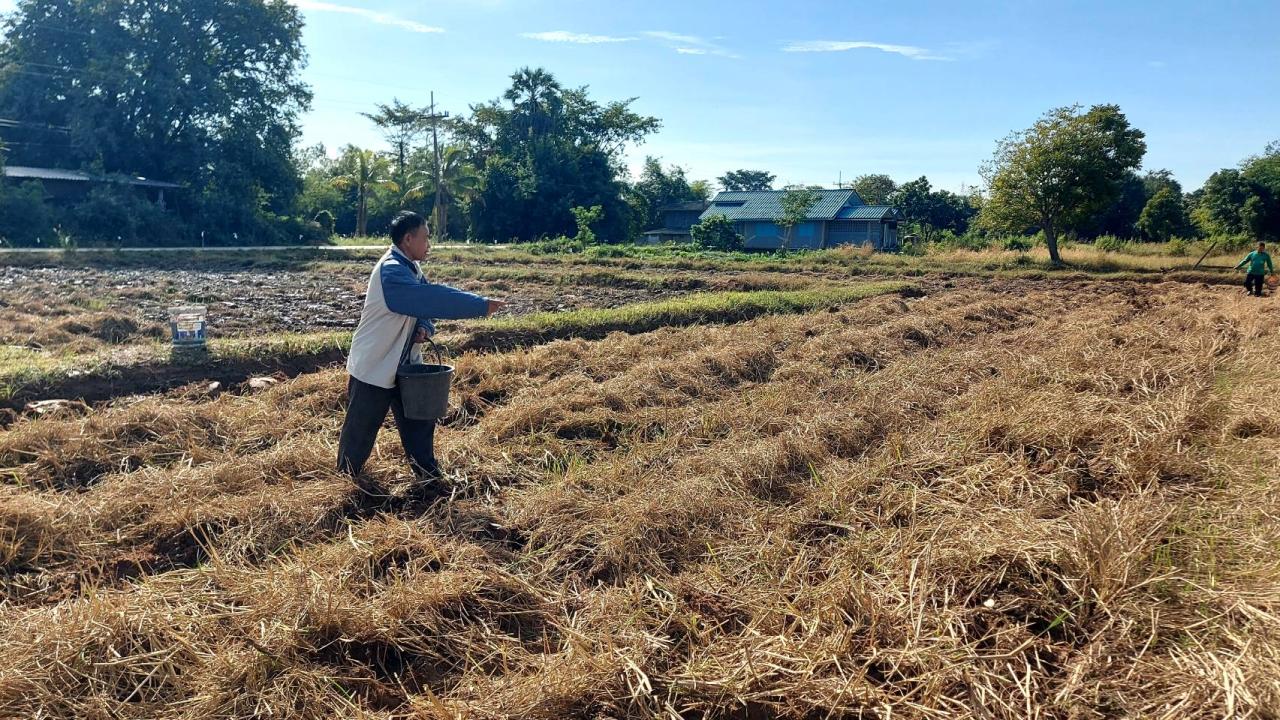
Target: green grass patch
point(699, 308)
point(27, 374)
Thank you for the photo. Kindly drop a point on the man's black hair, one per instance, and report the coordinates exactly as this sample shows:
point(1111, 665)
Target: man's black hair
point(405, 222)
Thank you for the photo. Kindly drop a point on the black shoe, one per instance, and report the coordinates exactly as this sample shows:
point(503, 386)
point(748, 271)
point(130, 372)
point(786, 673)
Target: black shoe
point(428, 473)
point(370, 487)
point(425, 492)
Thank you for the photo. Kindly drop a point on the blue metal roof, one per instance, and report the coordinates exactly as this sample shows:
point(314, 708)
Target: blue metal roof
point(21, 172)
point(767, 205)
point(867, 212)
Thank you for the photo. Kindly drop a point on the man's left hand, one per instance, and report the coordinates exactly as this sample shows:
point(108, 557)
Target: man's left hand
point(420, 336)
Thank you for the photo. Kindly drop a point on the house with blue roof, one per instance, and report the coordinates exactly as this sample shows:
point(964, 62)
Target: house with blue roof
point(839, 217)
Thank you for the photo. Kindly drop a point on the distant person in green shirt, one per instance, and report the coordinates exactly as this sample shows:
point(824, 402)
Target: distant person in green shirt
point(1259, 263)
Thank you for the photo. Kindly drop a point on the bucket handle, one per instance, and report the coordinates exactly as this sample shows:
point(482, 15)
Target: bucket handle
point(436, 348)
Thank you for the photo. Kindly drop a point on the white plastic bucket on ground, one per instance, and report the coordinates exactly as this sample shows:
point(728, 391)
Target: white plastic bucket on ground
point(187, 324)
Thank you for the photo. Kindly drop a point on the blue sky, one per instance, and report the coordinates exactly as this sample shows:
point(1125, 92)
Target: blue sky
point(811, 89)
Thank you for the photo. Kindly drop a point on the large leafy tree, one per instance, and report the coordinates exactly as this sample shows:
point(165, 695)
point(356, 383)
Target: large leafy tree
point(1060, 171)
point(1164, 216)
point(1153, 181)
point(656, 188)
point(1120, 216)
point(1222, 202)
point(929, 211)
point(874, 189)
point(202, 92)
point(746, 180)
point(543, 150)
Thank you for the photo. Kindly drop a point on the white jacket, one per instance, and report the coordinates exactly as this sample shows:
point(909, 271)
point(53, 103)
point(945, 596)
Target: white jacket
point(398, 301)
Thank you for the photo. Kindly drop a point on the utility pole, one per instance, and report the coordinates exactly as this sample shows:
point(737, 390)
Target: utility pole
point(438, 211)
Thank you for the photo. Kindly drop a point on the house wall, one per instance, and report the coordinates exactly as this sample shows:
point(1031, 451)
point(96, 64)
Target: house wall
point(680, 219)
point(849, 232)
point(764, 235)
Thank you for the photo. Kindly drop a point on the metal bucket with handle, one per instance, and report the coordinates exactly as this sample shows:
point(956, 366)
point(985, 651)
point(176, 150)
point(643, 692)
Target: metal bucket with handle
point(424, 388)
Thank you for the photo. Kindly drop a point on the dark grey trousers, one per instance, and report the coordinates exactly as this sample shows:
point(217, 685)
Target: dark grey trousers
point(366, 409)
point(1253, 284)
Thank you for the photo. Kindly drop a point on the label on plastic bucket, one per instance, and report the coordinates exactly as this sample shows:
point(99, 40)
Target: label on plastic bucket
point(187, 324)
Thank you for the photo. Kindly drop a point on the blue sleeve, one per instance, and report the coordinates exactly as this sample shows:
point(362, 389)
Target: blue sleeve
point(428, 326)
point(405, 294)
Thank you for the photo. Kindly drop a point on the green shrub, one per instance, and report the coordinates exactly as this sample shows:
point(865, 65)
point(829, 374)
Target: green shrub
point(970, 240)
point(913, 246)
point(1231, 243)
point(716, 233)
point(555, 246)
point(120, 215)
point(586, 217)
point(1110, 243)
point(24, 216)
point(1178, 247)
point(606, 251)
point(1017, 243)
point(327, 222)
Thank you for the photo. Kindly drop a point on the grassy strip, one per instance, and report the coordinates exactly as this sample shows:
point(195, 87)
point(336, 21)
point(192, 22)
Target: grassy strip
point(607, 264)
point(29, 374)
point(700, 308)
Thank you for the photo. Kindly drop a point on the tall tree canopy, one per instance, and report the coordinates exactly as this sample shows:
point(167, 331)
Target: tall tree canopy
point(874, 189)
point(744, 180)
point(656, 188)
point(1244, 201)
point(201, 92)
point(929, 211)
point(1165, 215)
point(1054, 175)
point(543, 150)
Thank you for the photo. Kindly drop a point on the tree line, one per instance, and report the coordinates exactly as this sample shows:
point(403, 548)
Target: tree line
point(208, 94)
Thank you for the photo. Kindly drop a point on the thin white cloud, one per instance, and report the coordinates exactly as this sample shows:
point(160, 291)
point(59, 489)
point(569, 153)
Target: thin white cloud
point(909, 51)
point(675, 37)
point(1156, 63)
point(564, 36)
point(689, 44)
point(380, 18)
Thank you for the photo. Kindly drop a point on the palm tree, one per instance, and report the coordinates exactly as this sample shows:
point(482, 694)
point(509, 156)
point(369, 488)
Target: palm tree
point(368, 172)
point(537, 96)
point(458, 181)
point(401, 125)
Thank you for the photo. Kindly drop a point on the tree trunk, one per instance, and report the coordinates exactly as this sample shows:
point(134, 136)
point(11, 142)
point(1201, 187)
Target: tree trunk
point(362, 219)
point(1051, 242)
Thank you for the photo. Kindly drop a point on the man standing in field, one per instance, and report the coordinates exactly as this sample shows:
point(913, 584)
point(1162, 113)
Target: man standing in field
point(1259, 263)
point(399, 308)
